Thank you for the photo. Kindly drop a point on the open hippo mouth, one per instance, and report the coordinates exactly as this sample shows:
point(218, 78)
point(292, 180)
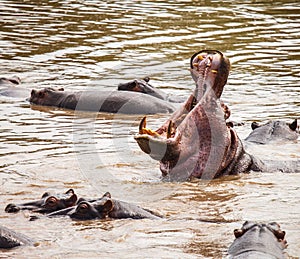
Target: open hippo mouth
point(195, 140)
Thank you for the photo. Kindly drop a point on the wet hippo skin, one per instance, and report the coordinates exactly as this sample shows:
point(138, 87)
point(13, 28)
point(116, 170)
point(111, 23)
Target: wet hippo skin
point(128, 101)
point(196, 141)
point(102, 101)
point(10, 238)
point(258, 240)
point(273, 131)
point(48, 203)
point(143, 86)
point(10, 87)
point(105, 207)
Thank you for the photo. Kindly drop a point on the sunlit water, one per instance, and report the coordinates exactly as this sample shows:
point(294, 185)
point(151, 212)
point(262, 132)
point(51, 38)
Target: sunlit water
point(96, 45)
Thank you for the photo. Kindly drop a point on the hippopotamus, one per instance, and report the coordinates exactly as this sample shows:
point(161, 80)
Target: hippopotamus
point(195, 141)
point(10, 87)
point(10, 238)
point(48, 203)
point(143, 86)
point(102, 101)
point(271, 131)
point(258, 240)
point(103, 208)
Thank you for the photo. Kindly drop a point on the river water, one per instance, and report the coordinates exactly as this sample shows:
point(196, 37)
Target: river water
point(96, 45)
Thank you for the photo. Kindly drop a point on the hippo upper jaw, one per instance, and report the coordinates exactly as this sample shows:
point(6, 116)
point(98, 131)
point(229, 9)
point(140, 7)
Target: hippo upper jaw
point(193, 142)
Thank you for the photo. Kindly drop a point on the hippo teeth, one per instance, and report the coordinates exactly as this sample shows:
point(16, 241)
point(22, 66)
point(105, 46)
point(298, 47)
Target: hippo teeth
point(143, 130)
point(169, 131)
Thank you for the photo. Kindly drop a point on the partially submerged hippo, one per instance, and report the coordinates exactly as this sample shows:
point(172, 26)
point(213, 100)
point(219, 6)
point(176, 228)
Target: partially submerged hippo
point(48, 203)
point(103, 101)
point(10, 238)
point(273, 131)
point(195, 141)
point(103, 208)
point(258, 240)
point(10, 87)
point(143, 86)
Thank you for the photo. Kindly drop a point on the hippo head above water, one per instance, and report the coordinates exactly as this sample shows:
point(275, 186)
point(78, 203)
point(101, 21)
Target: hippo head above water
point(48, 203)
point(46, 96)
point(195, 141)
point(273, 131)
point(86, 210)
point(142, 86)
point(258, 240)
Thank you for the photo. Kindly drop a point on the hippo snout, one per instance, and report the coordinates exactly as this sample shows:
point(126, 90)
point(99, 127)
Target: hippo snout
point(12, 208)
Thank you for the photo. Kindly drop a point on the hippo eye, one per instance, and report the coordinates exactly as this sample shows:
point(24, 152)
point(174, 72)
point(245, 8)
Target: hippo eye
point(41, 94)
point(51, 202)
point(82, 208)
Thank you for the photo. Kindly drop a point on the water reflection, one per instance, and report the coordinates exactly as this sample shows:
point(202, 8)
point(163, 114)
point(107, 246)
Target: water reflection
point(96, 45)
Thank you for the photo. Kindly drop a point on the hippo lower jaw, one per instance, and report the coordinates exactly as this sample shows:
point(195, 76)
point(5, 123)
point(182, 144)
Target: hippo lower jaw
point(195, 141)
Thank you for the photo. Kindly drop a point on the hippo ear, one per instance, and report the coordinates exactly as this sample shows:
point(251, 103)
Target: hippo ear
point(238, 232)
point(71, 201)
point(293, 125)
point(254, 125)
point(279, 234)
point(70, 191)
point(107, 206)
point(46, 194)
point(146, 79)
point(229, 124)
point(107, 194)
point(61, 89)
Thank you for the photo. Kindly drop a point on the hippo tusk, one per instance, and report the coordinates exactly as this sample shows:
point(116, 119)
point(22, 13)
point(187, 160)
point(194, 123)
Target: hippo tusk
point(200, 57)
point(142, 125)
point(169, 131)
point(144, 130)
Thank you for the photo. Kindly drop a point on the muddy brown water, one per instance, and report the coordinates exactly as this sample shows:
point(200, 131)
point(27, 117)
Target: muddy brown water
point(82, 45)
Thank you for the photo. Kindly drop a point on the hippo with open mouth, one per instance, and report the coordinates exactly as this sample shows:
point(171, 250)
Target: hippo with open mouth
point(258, 240)
point(195, 141)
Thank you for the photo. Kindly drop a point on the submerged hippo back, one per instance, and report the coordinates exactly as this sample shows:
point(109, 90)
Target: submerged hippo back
point(122, 102)
point(127, 210)
point(10, 87)
point(103, 101)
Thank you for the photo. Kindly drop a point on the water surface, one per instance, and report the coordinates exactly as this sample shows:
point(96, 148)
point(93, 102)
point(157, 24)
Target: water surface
point(82, 45)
